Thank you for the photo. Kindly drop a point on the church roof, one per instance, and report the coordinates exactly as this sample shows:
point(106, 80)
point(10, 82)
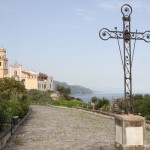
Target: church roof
point(30, 73)
point(27, 73)
point(33, 72)
point(15, 65)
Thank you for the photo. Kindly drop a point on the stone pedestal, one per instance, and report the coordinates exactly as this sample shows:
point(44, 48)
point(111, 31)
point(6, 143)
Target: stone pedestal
point(129, 132)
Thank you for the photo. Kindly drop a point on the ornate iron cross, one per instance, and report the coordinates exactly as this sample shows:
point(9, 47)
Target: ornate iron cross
point(127, 57)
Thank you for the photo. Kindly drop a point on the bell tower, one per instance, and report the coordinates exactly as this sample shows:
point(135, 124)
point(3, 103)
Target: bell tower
point(3, 63)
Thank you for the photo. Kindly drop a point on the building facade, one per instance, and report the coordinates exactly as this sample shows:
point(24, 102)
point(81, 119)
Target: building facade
point(31, 79)
point(3, 63)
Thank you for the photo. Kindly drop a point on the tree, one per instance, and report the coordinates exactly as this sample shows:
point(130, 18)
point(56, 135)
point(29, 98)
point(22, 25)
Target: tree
point(138, 97)
point(94, 99)
point(12, 99)
point(99, 102)
point(63, 91)
point(118, 104)
point(12, 89)
point(141, 104)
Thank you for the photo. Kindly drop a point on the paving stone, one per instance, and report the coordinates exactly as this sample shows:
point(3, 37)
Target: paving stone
point(50, 128)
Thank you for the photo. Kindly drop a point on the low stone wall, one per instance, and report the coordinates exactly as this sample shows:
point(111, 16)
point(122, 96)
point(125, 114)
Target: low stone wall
point(95, 112)
point(102, 114)
point(4, 137)
point(147, 126)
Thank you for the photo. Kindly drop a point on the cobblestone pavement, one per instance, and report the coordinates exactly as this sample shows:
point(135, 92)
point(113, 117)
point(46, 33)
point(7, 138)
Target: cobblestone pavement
point(51, 128)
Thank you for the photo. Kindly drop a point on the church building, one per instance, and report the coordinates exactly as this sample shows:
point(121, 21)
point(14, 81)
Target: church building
point(31, 79)
point(3, 63)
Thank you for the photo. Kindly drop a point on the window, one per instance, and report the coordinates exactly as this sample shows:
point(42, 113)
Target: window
point(15, 73)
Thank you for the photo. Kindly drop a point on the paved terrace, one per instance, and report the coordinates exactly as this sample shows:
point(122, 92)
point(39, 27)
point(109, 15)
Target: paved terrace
point(51, 128)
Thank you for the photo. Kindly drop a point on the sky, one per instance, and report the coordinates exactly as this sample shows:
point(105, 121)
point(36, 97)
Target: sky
point(61, 38)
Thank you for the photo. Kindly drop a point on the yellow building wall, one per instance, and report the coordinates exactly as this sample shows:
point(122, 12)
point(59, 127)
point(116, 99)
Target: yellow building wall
point(31, 83)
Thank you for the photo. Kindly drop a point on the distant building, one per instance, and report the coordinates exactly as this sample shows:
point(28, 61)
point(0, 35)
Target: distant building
point(31, 79)
point(3, 63)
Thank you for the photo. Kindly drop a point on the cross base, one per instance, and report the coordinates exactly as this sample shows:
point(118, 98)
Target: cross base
point(129, 132)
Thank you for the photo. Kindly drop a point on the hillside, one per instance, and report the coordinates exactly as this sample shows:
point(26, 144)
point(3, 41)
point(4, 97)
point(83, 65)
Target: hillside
point(75, 89)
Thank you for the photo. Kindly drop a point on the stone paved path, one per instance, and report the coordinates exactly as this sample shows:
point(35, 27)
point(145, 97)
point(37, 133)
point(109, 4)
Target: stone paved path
point(49, 128)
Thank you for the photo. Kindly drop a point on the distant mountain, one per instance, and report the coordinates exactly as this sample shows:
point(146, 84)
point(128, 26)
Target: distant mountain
point(75, 89)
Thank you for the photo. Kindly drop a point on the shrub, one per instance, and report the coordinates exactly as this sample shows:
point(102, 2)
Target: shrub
point(3, 114)
point(39, 96)
point(12, 100)
point(147, 117)
point(99, 102)
point(70, 103)
point(11, 89)
point(141, 104)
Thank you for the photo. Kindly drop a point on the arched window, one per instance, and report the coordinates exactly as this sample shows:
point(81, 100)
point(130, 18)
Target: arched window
point(15, 73)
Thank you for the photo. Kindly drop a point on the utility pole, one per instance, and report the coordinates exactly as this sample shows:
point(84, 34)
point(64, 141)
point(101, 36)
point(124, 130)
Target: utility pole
point(127, 58)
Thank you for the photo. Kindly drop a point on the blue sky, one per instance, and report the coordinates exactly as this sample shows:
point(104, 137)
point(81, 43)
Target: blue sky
point(60, 38)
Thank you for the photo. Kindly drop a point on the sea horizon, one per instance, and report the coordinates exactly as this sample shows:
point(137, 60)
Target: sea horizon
point(110, 96)
point(87, 97)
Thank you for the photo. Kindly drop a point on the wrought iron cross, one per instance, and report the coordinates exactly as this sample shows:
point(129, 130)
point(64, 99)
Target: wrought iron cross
point(127, 57)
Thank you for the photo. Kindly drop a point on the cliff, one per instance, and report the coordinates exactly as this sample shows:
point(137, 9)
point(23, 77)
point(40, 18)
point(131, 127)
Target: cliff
point(75, 89)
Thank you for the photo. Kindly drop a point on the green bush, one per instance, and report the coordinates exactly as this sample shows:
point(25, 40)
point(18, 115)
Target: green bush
point(147, 117)
point(141, 104)
point(99, 102)
point(67, 103)
point(87, 106)
point(12, 100)
point(11, 89)
point(4, 117)
point(38, 96)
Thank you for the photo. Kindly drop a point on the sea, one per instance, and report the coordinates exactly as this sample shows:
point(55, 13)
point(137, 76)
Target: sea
point(109, 96)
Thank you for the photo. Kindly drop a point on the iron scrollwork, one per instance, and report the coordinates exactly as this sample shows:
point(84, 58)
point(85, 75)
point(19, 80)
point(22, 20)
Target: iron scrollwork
point(106, 34)
point(126, 10)
point(141, 36)
point(127, 36)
